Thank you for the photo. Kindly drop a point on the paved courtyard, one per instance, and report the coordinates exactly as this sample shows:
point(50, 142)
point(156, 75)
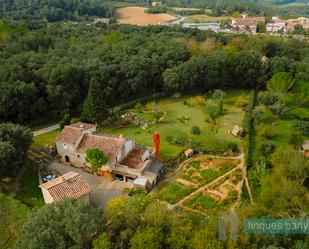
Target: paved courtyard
point(102, 188)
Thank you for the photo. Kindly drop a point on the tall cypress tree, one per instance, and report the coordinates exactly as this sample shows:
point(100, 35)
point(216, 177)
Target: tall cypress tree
point(95, 108)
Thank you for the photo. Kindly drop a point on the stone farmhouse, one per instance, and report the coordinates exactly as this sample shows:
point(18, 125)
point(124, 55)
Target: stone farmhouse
point(127, 162)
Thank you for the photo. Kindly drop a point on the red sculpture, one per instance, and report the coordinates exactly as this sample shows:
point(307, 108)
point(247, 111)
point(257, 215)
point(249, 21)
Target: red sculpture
point(156, 143)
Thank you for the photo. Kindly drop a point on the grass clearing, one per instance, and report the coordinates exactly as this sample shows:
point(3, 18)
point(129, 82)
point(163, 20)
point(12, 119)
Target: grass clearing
point(206, 18)
point(179, 121)
point(48, 139)
point(174, 192)
point(29, 192)
point(13, 215)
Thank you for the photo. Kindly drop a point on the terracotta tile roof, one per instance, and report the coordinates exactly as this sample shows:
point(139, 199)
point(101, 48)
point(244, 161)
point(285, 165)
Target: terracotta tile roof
point(133, 159)
point(69, 185)
point(83, 126)
point(69, 135)
point(109, 144)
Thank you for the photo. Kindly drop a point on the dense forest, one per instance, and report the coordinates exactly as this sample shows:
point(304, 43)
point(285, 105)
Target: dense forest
point(55, 10)
point(46, 68)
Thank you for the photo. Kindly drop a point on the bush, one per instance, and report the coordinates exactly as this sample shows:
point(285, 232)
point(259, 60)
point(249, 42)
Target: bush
point(218, 94)
point(281, 82)
point(195, 130)
point(65, 121)
point(233, 146)
point(268, 98)
point(302, 89)
point(265, 131)
point(249, 129)
point(302, 126)
point(61, 124)
point(257, 114)
point(296, 139)
point(75, 120)
point(220, 108)
point(183, 119)
point(157, 116)
point(267, 148)
point(301, 114)
point(198, 100)
point(278, 109)
point(181, 139)
point(150, 106)
point(241, 103)
point(139, 107)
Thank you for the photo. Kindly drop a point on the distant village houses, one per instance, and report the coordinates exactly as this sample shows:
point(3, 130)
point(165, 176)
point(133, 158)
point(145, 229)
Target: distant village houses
point(247, 23)
point(127, 161)
point(102, 20)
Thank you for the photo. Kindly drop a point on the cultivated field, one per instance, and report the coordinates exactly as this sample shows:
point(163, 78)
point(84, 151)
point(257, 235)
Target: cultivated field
point(204, 183)
point(206, 18)
point(137, 16)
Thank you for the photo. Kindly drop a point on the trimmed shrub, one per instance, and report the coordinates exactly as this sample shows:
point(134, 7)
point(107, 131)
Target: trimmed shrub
point(241, 103)
point(249, 129)
point(198, 100)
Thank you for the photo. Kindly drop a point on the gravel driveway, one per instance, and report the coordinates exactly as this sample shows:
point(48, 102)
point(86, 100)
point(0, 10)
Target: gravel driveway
point(102, 188)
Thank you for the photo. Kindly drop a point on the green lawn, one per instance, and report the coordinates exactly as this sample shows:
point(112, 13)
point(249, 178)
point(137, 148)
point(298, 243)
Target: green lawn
point(173, 192)
point(13, 215)
point(29, 192)
point(201, 202)
point(48, 138)
point(171, 126)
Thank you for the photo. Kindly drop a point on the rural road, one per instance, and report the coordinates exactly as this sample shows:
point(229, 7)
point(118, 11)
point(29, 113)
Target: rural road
point(45, 130)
